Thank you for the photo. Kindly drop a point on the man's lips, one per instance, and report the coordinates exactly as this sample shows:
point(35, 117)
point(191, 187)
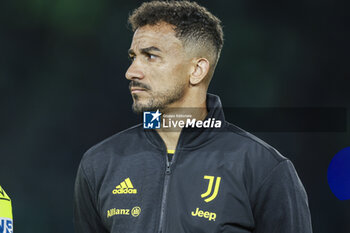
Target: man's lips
point(137, 89)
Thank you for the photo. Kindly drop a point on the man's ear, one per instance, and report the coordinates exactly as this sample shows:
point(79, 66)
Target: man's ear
point(200, 71)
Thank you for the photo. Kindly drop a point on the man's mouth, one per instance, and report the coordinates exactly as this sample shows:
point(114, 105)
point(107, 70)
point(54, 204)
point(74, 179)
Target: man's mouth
point(137, 87)
point(137, 90)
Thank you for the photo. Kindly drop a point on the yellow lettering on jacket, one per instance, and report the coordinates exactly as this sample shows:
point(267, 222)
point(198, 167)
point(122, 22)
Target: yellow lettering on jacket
point(204, 214)
point(116, 211)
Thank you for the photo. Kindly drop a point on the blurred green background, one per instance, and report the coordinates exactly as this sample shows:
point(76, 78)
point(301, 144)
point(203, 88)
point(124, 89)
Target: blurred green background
point(62, 66)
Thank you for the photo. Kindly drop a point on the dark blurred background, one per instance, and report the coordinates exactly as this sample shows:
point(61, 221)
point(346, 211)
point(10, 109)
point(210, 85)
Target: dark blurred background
point(62, 66)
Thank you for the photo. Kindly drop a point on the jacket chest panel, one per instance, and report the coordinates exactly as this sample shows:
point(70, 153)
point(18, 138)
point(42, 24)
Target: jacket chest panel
point(207, 193)
point(130, 192)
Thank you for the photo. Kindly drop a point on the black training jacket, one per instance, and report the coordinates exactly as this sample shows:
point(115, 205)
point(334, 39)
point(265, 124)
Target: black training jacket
point(220, 181)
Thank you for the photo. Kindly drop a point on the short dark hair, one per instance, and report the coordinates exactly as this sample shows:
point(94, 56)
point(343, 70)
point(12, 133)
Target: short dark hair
point(192, 22)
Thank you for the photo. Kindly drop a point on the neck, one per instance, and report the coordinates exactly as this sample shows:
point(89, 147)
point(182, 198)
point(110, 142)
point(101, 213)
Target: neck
point(194, 109)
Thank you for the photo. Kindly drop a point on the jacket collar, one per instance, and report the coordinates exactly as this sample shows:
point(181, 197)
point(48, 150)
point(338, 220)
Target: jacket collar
point(194, 137)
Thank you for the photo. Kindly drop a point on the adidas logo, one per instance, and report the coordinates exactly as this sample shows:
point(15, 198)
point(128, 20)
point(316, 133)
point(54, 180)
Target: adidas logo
point(125, 187)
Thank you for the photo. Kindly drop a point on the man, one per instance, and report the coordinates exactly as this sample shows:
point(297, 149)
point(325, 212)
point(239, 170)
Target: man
point(196, 176)
point(6, 225)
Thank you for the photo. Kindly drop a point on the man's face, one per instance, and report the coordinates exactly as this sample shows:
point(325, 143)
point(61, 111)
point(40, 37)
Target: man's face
point(159, 72)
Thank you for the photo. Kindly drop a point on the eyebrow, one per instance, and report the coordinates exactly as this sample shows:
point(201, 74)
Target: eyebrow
point(145, 50)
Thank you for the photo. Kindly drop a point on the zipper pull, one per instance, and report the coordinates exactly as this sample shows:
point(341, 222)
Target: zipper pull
point(167, 170)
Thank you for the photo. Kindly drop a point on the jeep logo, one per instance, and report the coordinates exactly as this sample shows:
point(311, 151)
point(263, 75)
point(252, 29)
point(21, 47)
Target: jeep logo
point(204, 214)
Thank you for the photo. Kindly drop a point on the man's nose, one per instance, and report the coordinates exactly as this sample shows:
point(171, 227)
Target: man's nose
point(134, 71)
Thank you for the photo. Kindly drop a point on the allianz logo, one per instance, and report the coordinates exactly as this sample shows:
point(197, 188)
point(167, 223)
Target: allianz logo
point(135, 212)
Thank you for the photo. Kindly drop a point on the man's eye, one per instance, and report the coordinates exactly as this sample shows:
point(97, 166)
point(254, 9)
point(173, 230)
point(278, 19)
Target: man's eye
point(151, 56)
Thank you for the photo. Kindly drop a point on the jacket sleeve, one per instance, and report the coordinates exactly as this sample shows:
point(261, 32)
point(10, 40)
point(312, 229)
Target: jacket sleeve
point(86, 216)
point(281, 204)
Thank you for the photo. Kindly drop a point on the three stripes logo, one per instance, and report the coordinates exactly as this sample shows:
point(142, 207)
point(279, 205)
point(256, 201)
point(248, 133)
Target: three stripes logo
point(210, 188)
point(125, 187)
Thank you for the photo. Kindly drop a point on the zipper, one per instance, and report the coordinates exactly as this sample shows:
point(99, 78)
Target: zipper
point(165, 192)
point(166, 183)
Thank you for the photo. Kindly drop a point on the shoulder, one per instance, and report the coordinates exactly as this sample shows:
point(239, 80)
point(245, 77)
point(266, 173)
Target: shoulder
point(6, 208)
point(254, 146)
point(257, 158)
point(103, 151)
point(116, 140)
point(260, 162)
